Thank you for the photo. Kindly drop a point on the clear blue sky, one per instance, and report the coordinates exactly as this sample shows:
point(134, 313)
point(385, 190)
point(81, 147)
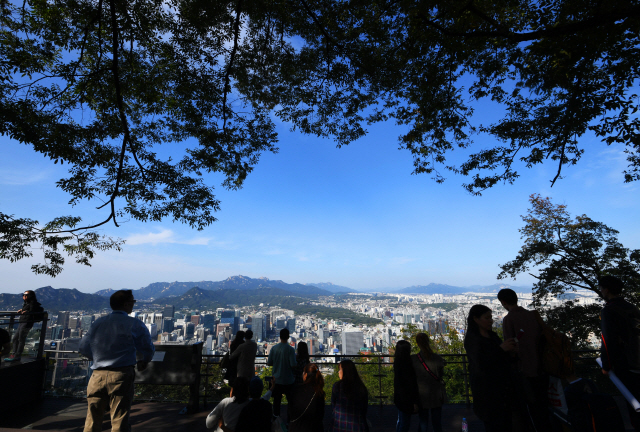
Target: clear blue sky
point(353, 216)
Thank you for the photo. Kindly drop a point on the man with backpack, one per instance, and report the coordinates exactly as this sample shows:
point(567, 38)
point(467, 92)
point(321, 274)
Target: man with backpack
point(620, 351)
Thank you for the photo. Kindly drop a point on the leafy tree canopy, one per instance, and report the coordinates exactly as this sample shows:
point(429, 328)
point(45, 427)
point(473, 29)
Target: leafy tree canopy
point(565, 254)
point(101, 84)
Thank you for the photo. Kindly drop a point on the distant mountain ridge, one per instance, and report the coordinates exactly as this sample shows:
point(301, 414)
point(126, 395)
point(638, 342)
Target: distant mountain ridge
point(332, 287)
point(168, 289)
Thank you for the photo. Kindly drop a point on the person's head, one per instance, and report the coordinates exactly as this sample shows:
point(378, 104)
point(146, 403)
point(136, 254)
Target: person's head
point(248, 335)
point(312, 376)
point(402, 356)
point(351, 382)
point(478, 315)
point(507, 297)
point(240, 389)
point(610, 286)
point(29, 296)
point(122, 300)
point(422, 339)
point(284, 334)
point(255, 387)
point(303, 350)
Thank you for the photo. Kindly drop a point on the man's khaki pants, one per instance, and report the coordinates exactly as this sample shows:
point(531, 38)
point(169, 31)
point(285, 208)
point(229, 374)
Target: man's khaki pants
point(111, 388)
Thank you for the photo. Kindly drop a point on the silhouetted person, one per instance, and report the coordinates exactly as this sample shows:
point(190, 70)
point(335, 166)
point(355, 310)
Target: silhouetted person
point(283, 359)
point(245, 356)
point(535, 382)
point(112, 342)
point(225, 415)
point(28, 316)
point(232, 366)
point(429, 369)
point(619, 350)
point(302, 360)
point(489, 369)
point(405, 386)
point(256, 416)
point(349, 401)
point(306, 406)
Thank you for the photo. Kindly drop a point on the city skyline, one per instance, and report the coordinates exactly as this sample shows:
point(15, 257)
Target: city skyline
point(353, 216)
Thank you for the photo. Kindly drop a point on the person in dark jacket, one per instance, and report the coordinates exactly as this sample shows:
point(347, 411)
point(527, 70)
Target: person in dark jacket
point(257, 415)
point(349, 401)
point(28, 316)
point(617, 333)
point(306, 406)
point(429, 369)
point(405, 386)
point(490, 370)
point(232, 365)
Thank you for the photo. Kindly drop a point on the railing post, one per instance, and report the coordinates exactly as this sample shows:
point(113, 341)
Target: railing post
point(43, 333)
point(466, 380)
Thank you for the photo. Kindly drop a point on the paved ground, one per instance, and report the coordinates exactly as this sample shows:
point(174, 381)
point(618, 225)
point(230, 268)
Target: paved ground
point(68, 415)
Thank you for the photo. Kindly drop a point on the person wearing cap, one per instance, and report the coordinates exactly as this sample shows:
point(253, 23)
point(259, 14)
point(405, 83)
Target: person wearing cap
point(113, 342)
point(257, 415)
point(283, 359)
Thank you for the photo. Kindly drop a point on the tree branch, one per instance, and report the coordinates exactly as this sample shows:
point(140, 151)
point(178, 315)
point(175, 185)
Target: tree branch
point(227, 89)
point(549, 32)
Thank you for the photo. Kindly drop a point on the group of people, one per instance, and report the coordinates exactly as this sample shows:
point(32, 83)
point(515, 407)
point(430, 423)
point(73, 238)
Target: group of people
point(507, 383)
point(295, 377)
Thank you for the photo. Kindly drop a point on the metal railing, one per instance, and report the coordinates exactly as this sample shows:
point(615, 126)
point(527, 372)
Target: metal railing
point(10, 320)
point(68, 376)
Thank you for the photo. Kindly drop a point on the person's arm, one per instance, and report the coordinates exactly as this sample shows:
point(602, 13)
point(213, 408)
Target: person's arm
point(85, 345)
point(143, 344)
point(507, 328)
point(270, 358)
point(292, 359)
point(213, 419)
point(236, 353)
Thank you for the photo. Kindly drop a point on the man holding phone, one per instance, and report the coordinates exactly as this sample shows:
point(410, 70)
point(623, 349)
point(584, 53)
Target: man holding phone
point(523, 325)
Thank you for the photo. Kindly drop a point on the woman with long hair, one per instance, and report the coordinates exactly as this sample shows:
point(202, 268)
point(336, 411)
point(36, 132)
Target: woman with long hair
point(490, 370)
point(349, 401)
point(232, 364)
point(405, 387)
point(429, 369)
point(302, 360)
point(306, 406)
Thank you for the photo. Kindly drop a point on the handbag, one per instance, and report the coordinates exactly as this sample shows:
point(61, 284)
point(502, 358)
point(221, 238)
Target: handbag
point(224, 364)
point(305, 410)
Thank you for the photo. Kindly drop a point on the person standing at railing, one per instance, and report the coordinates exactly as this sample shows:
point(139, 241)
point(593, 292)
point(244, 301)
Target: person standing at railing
point(283, 359)
point(232, 365)
point(31, 312)
point(535, 383)
point(113, 342)
point(302, 360)
point(620, 350)
point(245, 356)
point(405, 386)
point(429, 369)
point(490, 370)
point(349, 401)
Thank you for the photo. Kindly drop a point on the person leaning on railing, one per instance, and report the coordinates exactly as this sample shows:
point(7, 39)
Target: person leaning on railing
point(30, 313)
point(429, 369)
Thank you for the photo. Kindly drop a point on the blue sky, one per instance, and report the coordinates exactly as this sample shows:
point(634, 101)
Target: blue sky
point(353, 216)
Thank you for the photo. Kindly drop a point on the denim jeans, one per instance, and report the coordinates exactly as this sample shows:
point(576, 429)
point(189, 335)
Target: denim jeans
point(404, 422)
point(436, 419)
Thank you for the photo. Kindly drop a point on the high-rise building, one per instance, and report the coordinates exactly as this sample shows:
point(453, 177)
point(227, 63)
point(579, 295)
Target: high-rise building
point(267, 318)
point(258, 326)
point(291, 324)
point(195, 319)
point(153, 330)
point(208, 321)
point(158, 320)
point(63, 319)
point(352, 342)
point(189, 330)
point(167, 325)
point(168, 311)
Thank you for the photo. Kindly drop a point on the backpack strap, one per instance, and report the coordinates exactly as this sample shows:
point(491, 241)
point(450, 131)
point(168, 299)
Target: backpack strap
point(435, 377)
